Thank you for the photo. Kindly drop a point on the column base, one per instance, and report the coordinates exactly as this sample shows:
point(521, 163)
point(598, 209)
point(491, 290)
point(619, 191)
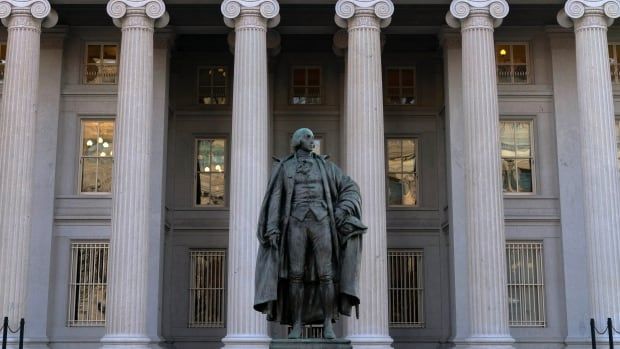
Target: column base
point(487, 342)
point(128, 342)
point(246, 342)
point(371, 342)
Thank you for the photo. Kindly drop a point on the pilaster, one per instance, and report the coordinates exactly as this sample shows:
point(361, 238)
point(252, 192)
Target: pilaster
point(363, 21)
point(18, 114)
point(486, 259)
point(129, 260)
point(600, 177)
point(249, 165)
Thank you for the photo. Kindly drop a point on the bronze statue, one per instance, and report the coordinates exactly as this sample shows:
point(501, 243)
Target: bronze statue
point(310, 234)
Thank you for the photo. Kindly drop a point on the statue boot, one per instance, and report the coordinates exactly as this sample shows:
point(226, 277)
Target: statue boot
point(327, 299)
point(296, 294)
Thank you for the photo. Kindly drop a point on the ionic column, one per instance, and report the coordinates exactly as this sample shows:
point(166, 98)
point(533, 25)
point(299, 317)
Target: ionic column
point(598, 156)
point(364, 144)
point(249, 171)
point(17, 147)
point(488, 316)
point(126, 309)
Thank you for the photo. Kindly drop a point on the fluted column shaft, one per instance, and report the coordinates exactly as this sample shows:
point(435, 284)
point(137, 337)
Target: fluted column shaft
point(601, 181)
point(17, 127)
point(365, 163)
point(249, 172)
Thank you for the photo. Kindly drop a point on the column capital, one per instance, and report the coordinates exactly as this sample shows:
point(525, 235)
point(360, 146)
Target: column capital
point(39, 9)
point(154, 9)
point(347, 9)
point(577, 9)
point(268, 9)
point(461, 9)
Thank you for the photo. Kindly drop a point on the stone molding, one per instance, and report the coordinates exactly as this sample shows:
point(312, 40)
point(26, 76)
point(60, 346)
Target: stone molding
point(268, 9)
point(39, 9)
point(347, 9)
point(461, 9)
point(154, 9)
point(576, 9)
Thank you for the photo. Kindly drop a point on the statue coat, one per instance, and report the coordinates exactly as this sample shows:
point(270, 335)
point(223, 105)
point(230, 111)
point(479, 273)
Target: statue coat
point(271, 280)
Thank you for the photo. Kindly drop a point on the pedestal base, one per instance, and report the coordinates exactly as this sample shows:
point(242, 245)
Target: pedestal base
point(310, 344)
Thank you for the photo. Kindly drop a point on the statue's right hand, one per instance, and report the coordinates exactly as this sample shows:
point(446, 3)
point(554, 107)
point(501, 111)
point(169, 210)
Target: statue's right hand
point(273, 240)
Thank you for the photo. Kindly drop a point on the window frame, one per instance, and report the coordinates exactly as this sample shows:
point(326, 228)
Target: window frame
point(533, 154)
point(226, 139)
point(528, 62)
point(292, 86)
point(225, 287)
point(400, 86)
point(417, 252)
point(85, 63)
point(227, 85)
point(80, 157)
point(417, 140)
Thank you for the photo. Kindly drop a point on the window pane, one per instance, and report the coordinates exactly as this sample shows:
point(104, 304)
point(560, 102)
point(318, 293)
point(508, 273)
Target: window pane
point(217, 189)
point(393, 79)
point(314, 92)
point(89, 175)
point(314, 77)
point(504, 74)
point(106, 133)
point(219, 76)
point(204, 76)
point(509, 175)
point(108, 73)
point(3, 53)
point(408, 155)
point(502, 54)
point(526, 293)
point(395, 189)
point(507, 137)
point(203, 186)
point(519, 55)
point(523, 139)
point(211, 168)
point(407, 78)
point(104, 182)
point(520, 74)
point(524, 169)
point(406, 288)
point(88, 284)
point(90, 135)
point(94, 54)
point(409, 190)
point(299, 77)
point(394, 156)
point(110, 54)
point(207, 288)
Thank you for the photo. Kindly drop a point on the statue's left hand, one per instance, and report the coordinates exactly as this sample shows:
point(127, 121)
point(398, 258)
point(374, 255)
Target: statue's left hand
point(273, 240)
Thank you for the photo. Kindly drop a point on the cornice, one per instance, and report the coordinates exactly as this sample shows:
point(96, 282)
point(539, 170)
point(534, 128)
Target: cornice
point(576, 9)
point(269, 9)
point(461, 9)
point(39, 9)
point(346, 9)
point(155, 9)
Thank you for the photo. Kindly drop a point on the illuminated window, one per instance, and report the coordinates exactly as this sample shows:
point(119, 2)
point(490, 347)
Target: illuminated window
point(517, 156)
point(213, 85)
point(210, 171)
point(88, 285)
point(402, 171)
point(406, 288)
point(2, 61)
point(96, 158)
point(614, 56)
point(101, 64)
point(207, 292)
point(306, 87)
point(400, 86)
point(512, 63)
point(526, 287)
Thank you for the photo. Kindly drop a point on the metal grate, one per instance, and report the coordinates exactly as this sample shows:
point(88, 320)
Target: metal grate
point(406, 288)
point(526, 287)
point(88, 286)
point(309, 331)
point(207, 290)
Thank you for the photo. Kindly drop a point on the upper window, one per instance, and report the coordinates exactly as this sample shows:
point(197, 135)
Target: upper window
point(526, 286)
point(512, 63)
point(614, 57)
point(213, 85)
point(402, 171)
point(88, 285)
point(210, 171)
point(96, 157)
point(406, 288)
point(101, 64)
point(2, 60)
point(400, 86)
point(306, 85)
point(207, 290)
point(517, 156)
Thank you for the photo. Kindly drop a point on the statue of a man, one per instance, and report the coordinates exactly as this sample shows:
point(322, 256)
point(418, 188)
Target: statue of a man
point(310, 232)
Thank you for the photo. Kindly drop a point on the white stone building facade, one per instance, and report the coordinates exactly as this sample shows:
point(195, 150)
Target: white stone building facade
point(136, 139)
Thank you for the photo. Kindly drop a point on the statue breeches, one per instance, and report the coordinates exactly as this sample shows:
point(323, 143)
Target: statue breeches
point(318, 234)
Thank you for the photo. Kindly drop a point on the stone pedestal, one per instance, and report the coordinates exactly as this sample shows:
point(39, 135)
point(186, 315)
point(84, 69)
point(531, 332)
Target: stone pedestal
point(364, 140)
point(310, 344)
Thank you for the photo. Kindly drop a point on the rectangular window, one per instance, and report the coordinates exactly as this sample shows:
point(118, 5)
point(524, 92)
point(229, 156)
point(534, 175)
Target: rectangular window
point(614, 56)
point(526, 287)
point(101, 64)
point(213, 85)
point(402, 171)
point(306, 85)
point(207, 290)
point(512, 61)
point(96, 157)
point(2, 61)
point(88, 285)
point(210, 171)
point(517, 156)
point(406, 288)
point(400, 86)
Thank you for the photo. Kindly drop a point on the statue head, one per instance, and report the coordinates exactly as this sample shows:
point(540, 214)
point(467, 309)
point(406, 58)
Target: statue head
point(303, 139)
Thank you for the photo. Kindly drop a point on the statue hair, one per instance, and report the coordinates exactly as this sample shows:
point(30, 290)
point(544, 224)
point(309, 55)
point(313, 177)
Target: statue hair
point(296, 139)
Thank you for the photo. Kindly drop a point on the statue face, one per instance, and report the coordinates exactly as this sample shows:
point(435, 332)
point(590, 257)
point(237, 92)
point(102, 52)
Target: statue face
point(307, 141)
